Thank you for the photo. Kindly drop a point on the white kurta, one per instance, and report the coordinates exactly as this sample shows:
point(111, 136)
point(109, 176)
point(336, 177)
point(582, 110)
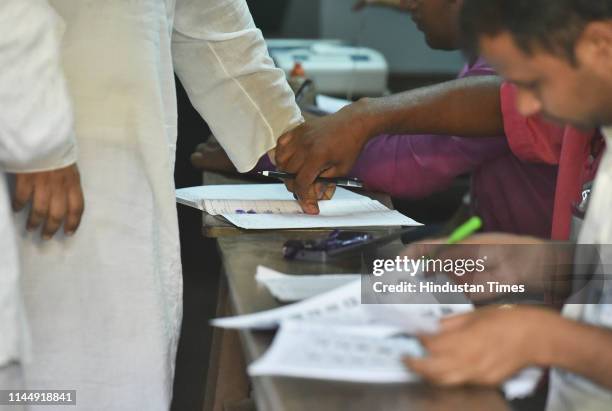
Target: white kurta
point(105, 304)
point(35, 134)
point(571, 392)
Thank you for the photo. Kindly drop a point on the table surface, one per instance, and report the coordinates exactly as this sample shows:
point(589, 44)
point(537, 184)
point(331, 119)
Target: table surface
point(240, 257)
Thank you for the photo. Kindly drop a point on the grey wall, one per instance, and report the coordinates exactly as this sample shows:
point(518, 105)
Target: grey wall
point(302, 19)
point(388, 31)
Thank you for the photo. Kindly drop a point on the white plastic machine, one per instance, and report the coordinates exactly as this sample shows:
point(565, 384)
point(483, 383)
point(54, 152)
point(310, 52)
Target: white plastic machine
point(335, 68)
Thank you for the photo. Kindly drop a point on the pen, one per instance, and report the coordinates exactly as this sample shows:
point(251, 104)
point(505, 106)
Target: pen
point(461, 233)
point(339, 181)
point(465, 230)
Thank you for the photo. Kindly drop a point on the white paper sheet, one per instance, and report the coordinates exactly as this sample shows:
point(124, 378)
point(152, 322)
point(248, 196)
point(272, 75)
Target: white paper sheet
point(289, 288)
point(329, 104)
point(271, 206)
point(195, 196)
point(336, 353)
point(230, 207)
point(326, 352)
point(342, 306)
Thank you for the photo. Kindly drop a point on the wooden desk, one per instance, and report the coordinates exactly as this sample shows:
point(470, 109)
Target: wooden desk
point(240, 257)
point(241, 252)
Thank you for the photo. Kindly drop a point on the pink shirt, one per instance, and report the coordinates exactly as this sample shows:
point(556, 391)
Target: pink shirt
point(576, 152)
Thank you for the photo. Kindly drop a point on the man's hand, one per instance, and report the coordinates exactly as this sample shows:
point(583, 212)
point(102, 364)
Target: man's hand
point(508, 259)
point(56, 198)
point(326, 147)
point(485, 347)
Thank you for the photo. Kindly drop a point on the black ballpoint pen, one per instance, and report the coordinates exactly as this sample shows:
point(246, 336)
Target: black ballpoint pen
point(339, 181)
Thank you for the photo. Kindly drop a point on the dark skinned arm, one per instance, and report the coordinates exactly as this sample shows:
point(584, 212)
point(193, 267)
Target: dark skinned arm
point(329, 146)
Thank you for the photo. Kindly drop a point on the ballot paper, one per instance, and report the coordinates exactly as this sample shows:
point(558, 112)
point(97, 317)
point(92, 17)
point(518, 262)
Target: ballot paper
point(342, 306)
point(290, 288)
point(271, 206)
point(333, 336)
point(337, 353)
point(348, 353)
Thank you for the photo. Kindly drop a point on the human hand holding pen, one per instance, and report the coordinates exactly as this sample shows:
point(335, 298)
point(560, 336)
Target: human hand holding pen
point(324, 147)
point(509, 259)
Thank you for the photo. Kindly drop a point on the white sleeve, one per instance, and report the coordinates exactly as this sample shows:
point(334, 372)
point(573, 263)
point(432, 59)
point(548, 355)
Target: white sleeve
point(36, 118)
point(222, 61)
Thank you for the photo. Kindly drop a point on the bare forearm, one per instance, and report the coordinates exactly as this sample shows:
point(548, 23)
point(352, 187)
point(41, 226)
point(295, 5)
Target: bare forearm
point(580, 348)
point(468, 107)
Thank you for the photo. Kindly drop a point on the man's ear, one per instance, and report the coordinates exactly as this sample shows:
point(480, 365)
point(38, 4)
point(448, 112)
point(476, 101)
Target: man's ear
point(594, 47)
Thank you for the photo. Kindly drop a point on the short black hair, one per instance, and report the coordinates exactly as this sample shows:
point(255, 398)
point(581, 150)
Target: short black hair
point(552, 25)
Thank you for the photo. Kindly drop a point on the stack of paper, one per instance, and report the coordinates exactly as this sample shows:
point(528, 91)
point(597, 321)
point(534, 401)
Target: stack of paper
point(271, 206)
point(337, 353)
point(332, 336)
point(290, 288)
point(342, 306)
point(355, 354)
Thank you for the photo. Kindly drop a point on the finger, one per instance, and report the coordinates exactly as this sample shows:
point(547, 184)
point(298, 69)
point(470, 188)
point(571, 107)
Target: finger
point(304, 182)
point(321, 189)
point(455, 322)
point(56, 214)
point(24, 188)
point(290, 160)
point(201, 147)
point(284, 149)
point(328, 192)
point(439, 370)
point(286, 139)
point(440, 343)
point(197, 160)
point(76, 207)
point(306, 190)
point(290, 187)
point(40, 206)
point(309, 201)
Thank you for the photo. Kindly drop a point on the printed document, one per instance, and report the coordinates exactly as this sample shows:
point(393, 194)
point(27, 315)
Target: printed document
point(271, 206)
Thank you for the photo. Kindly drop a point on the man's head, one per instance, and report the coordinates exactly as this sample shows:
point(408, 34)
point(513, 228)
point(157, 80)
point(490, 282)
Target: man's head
point(438, 20)
point(557, 52)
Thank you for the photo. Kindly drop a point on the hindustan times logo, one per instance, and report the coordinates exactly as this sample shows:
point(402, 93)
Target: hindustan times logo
point(427, 265)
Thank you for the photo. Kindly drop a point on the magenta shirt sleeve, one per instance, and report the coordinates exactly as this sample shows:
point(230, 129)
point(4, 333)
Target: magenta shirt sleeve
point(414, 166)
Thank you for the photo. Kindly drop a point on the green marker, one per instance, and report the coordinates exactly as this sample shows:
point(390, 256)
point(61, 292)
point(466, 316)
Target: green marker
point(465, 230)
point(461, 233)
